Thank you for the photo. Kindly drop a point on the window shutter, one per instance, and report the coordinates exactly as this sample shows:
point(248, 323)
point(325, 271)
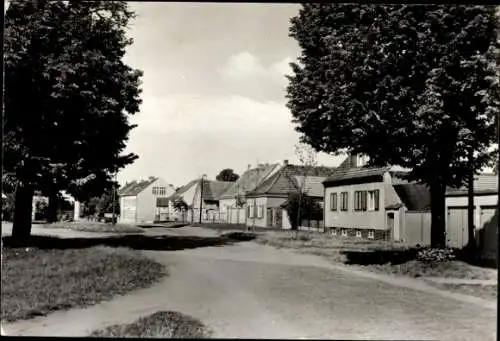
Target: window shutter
point(376, 196)
point(364, 195)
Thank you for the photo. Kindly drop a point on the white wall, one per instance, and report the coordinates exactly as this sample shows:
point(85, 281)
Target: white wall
point(146, 201)
point(267, 202)
point(358, 219)
point(479, 200)
point(128, 209)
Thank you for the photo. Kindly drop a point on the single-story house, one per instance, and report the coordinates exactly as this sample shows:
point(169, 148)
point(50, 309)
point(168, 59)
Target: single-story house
point(264, 204)
point(373, 202)
point(191, 194)
point(138, 199)
point(485, 206)
point(232, 203)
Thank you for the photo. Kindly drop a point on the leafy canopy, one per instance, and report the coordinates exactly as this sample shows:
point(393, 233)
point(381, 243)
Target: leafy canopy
point(408, 85)
point(68, 94)
point(227, 174)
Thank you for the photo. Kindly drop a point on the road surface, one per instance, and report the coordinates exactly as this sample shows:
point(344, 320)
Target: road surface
point(248, 290)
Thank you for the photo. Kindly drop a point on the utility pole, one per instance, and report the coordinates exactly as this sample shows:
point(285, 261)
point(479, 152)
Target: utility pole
point(201, 195)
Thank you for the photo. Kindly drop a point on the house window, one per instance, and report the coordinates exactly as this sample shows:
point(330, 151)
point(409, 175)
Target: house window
point(373, 200)
point(333, 201)
point(358, 234)
point(250, 211)
point(360, 200)
point(159, 190)
point(344, 201)
point(344, 232)
point(260, 211)
point(371, 235)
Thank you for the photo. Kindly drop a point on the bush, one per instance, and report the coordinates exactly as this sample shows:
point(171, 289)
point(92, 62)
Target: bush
point(435, 255)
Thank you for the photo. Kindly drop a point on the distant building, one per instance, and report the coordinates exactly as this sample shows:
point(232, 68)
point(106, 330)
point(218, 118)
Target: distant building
point(138, 199)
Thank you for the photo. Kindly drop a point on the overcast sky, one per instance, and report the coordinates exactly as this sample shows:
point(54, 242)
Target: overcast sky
point(213, 89)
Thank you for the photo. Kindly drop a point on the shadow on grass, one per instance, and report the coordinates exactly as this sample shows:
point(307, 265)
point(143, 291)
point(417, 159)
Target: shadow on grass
point(136, 242)
point(380, 256)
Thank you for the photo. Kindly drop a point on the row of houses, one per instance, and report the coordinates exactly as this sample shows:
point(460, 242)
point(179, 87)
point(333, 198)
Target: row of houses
point(357, 201)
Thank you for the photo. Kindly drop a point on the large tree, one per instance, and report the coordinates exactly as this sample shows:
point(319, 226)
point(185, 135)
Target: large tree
point(68, 96)
point(227, 174)
point(408, 85)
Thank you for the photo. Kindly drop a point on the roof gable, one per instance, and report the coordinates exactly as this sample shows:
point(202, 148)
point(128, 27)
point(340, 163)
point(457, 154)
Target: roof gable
point(248, 181)
point(287, 179)
point(212, 189)
point(415, 197)
point(134, 188)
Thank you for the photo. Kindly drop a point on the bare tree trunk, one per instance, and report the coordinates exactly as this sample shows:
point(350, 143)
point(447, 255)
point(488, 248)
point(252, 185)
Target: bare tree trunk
point(21, 229)
point(438, 222)
point(52, 207)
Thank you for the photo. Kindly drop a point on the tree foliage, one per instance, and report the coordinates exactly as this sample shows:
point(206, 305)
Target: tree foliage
point(68, 96)
point(227, 174)
point(308, 207)
point(408, 85)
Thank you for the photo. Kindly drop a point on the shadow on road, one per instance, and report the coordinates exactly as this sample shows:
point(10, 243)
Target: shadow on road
point(136, 241)
point(380, 256)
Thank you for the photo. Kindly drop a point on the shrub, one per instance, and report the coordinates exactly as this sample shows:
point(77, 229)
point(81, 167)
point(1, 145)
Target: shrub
point(435, 255)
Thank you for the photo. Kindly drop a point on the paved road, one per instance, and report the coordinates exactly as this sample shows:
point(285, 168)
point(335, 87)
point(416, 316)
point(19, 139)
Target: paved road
point(253, 291)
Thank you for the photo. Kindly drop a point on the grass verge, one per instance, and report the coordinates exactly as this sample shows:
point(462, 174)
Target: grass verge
point(162, 324)
point(91, 226)
point(489, 291)
point(378, 256)
point(36, 282)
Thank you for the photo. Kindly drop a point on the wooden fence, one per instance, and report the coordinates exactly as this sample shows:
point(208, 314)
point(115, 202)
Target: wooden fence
point(417, 228)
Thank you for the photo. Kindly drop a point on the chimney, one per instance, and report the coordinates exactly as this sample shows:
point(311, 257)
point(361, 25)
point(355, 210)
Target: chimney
point(285, 162)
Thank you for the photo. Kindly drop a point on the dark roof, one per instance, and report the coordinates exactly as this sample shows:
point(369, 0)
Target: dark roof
point(483, 184)
point(285, 181)
point(212, 189)
point(415, 197)
point(248, 181)
point(349, 162)
point(355, 173)
point(135, 187)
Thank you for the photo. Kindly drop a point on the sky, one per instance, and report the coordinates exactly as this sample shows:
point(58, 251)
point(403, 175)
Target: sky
point(213, 89)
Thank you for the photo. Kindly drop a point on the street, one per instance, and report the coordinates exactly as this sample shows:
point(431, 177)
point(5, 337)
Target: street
point(248, 290)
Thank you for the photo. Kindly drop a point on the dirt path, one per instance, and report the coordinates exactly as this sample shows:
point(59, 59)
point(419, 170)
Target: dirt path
point(254, 291)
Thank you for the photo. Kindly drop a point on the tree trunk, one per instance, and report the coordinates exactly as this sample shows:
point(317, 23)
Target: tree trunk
point(438, 222)
point(21, 228)
point(52, 208)
point(471, 244)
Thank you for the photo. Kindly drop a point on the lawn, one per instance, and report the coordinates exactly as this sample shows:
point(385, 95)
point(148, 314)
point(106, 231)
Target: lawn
point(36, 282)
point(162, 324)
point(92, 226)
point(378, 256)
point(483, 291)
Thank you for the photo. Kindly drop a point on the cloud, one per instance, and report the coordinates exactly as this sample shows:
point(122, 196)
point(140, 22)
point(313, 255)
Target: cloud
point(183, 136)
point(197, 113)
point(244, 66)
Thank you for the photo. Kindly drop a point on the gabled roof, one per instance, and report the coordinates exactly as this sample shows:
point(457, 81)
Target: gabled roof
point(486, 183)
point(212, 189)
point(248, 181)
point(285, 181)
point(135, 187)
point(313, 185)
point(415, 197)
point(355, 173)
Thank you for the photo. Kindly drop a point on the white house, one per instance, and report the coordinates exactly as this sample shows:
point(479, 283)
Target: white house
point(138, 199)
point(232, 211)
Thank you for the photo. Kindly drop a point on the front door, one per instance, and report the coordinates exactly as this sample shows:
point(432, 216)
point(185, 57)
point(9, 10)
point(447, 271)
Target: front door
point(269, 217)
point(390, 226)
